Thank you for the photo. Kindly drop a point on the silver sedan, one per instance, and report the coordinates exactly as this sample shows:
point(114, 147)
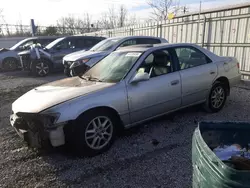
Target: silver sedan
point(128, 87)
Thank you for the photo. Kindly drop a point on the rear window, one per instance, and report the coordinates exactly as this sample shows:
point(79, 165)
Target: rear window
point(148, 41)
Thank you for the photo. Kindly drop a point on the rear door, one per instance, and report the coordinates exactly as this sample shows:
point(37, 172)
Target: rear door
point(197, 73)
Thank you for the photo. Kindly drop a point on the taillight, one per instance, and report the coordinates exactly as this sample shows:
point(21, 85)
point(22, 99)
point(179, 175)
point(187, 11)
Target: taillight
point(238, 65)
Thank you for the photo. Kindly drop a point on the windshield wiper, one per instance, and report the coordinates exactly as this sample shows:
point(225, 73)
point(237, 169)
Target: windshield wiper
point(95, 79)
point(90, 78)
point(84, 77)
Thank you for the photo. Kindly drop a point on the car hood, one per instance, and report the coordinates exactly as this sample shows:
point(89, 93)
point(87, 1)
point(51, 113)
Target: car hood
point(86, 54)
point(4, 50)
point(51, 94)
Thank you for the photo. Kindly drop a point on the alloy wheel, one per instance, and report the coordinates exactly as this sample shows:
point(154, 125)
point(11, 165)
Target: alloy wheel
point(218, 97)
point(42, 68)
point(99, 132)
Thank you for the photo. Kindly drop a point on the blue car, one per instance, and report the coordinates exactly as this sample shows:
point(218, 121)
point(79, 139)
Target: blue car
point(42, 61)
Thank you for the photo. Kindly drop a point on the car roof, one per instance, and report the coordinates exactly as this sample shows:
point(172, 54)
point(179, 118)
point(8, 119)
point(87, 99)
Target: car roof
point(133, 37)
point(43, 37)
point(145, 47)
point(152, 47)
point(83, 36)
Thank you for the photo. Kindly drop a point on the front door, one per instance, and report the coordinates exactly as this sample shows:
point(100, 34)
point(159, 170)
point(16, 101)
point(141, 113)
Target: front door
point(158, 95)
point(63, 48)
point(197, 74)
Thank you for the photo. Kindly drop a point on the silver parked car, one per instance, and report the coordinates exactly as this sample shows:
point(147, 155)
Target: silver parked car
point(78, 62)
point(128, 87)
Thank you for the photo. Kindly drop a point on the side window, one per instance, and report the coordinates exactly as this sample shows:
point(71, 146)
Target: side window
point(128, 43)
point(97, 40)
point(191, 57)
point(89, 42)
point(156, 64)
point(44, 42)
point(148, 41)
point(26, 45)
point(80, 43)
point(66, 44)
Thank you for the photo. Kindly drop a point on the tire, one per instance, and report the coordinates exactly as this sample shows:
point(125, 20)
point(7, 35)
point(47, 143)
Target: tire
point(41, 68)
point(10, 64)
point(85, 137)
point(217, 98)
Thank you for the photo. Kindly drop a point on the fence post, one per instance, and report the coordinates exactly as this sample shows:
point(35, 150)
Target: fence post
point(161, 30)
point(157, 29)
point(204, 30)
point(131, 31)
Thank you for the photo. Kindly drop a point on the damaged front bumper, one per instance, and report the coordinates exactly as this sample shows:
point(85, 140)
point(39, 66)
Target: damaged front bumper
point(38, 130)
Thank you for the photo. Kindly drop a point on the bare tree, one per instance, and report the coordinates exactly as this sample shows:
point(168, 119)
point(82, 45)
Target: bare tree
point(122, 16)
point(1, 22)
point(112, 17)
point(132, 20)
point(161, 8)
point(4, 23)
point(104, 22)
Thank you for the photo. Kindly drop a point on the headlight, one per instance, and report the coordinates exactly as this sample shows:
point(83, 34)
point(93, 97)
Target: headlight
point(78, 63)
point(51, 118)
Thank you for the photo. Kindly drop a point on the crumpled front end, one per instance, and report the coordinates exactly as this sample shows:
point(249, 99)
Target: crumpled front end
point(39, 130)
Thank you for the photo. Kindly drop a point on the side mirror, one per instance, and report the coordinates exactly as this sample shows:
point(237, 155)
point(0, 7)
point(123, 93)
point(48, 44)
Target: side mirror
point(139, 77)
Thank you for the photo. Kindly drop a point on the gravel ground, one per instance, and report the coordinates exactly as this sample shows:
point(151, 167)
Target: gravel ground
point(156, 154)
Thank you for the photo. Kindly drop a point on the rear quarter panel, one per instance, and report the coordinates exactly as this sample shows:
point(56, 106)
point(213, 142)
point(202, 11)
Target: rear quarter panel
point(227, 67)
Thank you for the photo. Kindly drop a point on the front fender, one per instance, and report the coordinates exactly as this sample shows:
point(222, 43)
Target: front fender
point(114, 97)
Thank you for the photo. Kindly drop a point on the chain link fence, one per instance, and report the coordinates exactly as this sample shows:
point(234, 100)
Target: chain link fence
point(7, 30)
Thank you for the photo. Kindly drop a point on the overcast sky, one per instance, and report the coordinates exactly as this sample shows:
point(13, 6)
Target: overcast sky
point(46, 12)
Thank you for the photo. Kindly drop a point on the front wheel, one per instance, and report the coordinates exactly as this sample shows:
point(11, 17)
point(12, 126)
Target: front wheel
point(41, 68)
point(217, 98)
point(94, 132)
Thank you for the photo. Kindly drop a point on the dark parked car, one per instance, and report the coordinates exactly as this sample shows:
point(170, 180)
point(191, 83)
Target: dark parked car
point(9, 57)
point(42, 61)
point(79, 62)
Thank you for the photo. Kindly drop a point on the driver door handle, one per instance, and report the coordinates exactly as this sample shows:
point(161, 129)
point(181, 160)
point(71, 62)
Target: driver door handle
point(175, 82)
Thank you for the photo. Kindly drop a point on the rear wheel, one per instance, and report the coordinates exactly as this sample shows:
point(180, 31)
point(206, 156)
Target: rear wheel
point(10, 64)
point(41, 68)
point(217, 98)
point(94, 132)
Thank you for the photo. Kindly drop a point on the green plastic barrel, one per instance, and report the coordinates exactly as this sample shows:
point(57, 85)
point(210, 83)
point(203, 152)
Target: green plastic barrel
point(208, 170)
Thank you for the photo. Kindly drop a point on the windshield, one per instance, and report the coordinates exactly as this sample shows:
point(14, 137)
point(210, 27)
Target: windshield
point(52, 44)
point(105, 45)
point(113, 67)
point(18, 44)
